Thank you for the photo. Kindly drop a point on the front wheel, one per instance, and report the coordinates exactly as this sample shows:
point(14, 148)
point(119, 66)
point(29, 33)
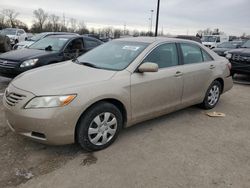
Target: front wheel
point(99, 126)
point(212, 95)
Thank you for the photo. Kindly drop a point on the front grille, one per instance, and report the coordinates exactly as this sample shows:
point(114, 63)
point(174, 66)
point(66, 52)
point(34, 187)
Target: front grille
point(7, 64)
point(236, 57)
point(240, 58)
point(13, 98)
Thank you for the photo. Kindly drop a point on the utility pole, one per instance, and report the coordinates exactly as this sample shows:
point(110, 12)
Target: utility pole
point(157, 18)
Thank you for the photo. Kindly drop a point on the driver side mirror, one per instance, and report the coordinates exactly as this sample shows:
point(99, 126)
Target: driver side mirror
point(148, 67)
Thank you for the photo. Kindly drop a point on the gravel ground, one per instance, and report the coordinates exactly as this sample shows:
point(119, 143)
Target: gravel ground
point(183, 149)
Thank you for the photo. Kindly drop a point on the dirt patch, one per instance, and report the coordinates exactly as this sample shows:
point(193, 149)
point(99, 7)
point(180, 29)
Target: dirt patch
point(89, 160)
point(22, 159)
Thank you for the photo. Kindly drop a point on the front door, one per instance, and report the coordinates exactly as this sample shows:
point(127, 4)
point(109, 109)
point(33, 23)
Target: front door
point(153, 94)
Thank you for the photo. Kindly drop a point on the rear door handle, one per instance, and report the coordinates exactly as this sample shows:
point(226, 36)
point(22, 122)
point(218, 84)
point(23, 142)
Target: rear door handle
point(212, 66)
point(178, 74)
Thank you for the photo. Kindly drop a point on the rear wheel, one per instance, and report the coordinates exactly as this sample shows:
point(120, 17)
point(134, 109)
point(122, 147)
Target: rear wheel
point(212, 95)
point(99, 126)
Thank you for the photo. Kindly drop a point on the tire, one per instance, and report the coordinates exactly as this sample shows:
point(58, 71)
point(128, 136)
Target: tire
point(103, 120)
point(212, 95)
point(5, 45)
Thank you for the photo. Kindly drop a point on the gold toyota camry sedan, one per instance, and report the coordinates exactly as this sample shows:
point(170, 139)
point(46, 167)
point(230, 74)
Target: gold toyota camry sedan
point(116, 85)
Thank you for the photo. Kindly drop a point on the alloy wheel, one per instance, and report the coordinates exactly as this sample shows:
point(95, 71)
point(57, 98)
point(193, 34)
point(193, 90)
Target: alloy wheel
point(213, 95)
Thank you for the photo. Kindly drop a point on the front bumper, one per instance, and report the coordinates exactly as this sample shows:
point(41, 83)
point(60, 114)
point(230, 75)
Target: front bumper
point(240, 67)
point(55, 126)
point(10, 72)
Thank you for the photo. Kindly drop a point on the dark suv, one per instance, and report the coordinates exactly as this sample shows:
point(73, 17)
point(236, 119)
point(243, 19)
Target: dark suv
point(51, 49)
point(240, 59)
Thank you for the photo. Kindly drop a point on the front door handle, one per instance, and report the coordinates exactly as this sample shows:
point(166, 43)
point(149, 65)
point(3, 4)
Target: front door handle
point(212, 66)
point(178, 74)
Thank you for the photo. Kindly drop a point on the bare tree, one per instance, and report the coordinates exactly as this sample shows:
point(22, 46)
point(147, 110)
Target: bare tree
point(11, 16)
point(82, 29)
point(2, 21)
point(73, 24)
point(54, 19)
point(41, 17)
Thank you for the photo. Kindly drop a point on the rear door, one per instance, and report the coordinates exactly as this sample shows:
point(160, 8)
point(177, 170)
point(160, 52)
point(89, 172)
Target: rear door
point(153, 94)
point(198, 67)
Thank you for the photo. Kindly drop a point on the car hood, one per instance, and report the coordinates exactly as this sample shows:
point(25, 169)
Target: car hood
point(208, 43)
point(221, 49)
point(241, 51)
point(58, 78)
point(24, 54)
point(25, 43)
point(11, 36)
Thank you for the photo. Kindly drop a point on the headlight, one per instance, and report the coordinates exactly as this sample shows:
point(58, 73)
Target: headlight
point(28, 63)
point(50, 101)
point(228, 55)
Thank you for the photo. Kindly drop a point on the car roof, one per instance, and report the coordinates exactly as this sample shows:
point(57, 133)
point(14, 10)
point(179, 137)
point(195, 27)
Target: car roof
point(59, 33)
point(155, 39)
point(72, 36)
point(62, 36)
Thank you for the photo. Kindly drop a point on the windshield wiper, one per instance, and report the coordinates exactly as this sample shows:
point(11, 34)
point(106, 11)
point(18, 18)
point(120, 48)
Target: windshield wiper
point(85, 63)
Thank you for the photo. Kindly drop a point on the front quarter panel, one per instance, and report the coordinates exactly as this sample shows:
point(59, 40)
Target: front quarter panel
point(117, 88)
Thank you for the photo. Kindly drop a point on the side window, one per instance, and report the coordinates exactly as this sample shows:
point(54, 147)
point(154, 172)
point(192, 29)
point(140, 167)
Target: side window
point(74, 46)
point(206, 56)
point(164, 55)
point(191, 53)
point(90, 43)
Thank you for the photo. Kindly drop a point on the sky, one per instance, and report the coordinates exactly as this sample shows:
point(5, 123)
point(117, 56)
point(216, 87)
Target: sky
point(176, 16)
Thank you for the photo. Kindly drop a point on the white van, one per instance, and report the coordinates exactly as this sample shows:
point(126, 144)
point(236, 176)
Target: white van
point(212, 41)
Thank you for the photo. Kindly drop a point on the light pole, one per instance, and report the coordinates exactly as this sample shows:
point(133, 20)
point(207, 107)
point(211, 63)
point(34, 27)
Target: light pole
point(157, 18)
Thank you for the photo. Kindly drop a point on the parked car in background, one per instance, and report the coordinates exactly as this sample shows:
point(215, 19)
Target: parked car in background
point(37, 37)
point(15, 35)
point(240, 59)
point(188, 37)
point(222, 48)
point(5, 44)
point(51, 49)
point(212, 41)
point(115, 85)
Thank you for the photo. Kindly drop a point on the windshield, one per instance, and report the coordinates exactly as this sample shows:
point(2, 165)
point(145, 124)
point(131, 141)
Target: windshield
point(9, 31)
point(50, 43)
point(247, 44)
point(115, 55)
point(209, 39)
point(37, 37)
point(229, 45)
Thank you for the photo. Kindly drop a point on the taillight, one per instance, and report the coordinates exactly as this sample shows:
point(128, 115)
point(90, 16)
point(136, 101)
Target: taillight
point(229, 65)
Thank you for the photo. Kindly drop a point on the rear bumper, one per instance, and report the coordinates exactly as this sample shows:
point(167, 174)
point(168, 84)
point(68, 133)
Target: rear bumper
point(228, 84)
